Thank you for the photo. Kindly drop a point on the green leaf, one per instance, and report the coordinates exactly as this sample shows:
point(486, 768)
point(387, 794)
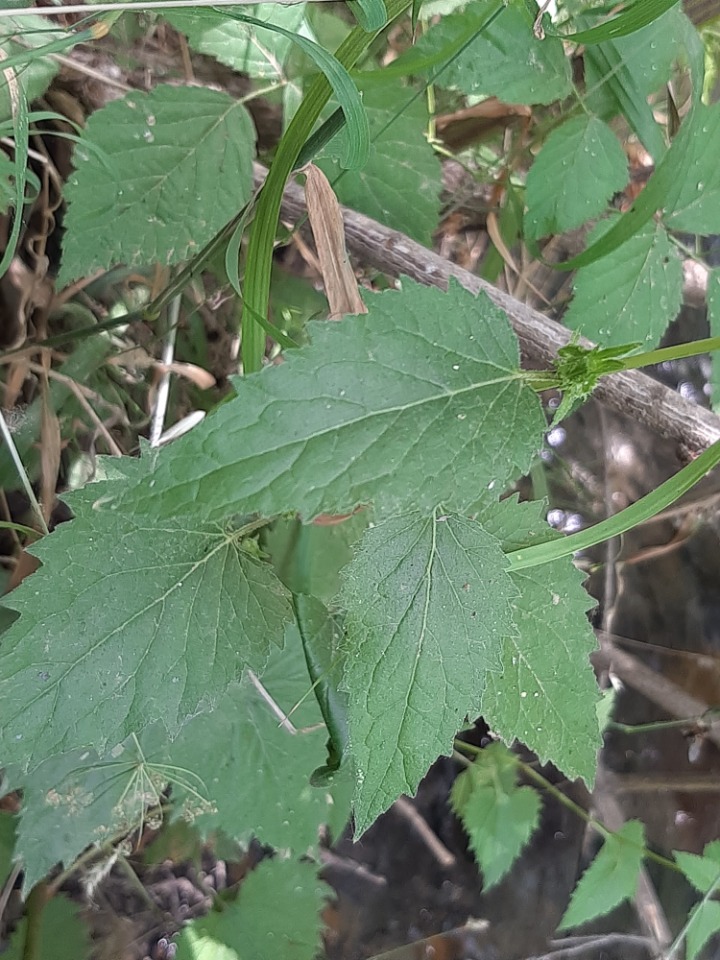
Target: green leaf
point(672, 185)
point(546, 693)
point(149, 622)
point(638, 15)
point(703, 923)
point(178, 162)
point(256, 772)
point(20, 38)
point(322, 635)
point(401, 183)
point(645, 58)
point(308, 558)
point(579, 168)
point(60, 934)
point(238, 45)
point(428, 608)
point(626, 97)
point(358, 141)
point(411, 412)
point(505, 60)
point(632, 294)
point(7, 189)
point(692, 201)
point(233, 769)
point(254, 927)
point(79, 798)
point(498, 815)
point(713, 312)
point(702, 871)
point(370, 14)
point(611, 878)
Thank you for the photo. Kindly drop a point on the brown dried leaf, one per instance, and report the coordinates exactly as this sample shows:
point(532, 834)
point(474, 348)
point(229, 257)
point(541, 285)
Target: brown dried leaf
point(326, 220)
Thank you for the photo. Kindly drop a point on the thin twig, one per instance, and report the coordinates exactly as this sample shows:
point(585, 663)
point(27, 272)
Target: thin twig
point(9, 887)
point(420, 827)
point(22, 473)
point(163, 390)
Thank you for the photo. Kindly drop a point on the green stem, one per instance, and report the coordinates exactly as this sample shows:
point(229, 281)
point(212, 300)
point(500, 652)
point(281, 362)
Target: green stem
point(640, 511)
point(679, 352)
point(692, 919)
point(262, 234)
point(532, 774)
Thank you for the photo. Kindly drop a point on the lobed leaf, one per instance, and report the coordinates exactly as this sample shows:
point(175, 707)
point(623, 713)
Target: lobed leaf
point(580, 166)
point(631, 294)
point(428, 608)
point(703, 923)
point(80, 798)
point(129, 623)
point(498, 815)
point(253, 926)
point(233, 769)
point(546, 694)
point(21, 41)
point(177, 163)
point(256, 772)
point(611, 878)
point(396, 407)
point(237, 44)
point(505, 60)
point(692, 201)
point(401, 182)
point(702, 871)
point(644, 59)
point(59, 931)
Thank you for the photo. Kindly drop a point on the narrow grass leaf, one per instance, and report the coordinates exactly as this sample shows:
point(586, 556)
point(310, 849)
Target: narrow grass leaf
point(358, 131)
point(635, 16)
point(713, 312)
point(703, 923)
point(24, 43)
point(370, 14)
point(643, 509)
point(620, 84)
point(21, 136)
point(262, 233)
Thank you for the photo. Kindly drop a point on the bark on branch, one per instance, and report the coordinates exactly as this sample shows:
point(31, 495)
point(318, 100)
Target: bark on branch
point(631, 393)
